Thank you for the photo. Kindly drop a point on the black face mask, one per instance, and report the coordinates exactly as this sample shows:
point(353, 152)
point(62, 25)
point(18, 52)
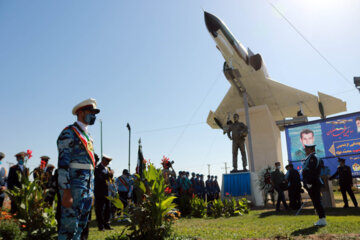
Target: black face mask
point(90, 118)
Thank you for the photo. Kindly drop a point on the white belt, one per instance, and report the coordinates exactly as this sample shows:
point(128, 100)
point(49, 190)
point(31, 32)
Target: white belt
point(85, 166)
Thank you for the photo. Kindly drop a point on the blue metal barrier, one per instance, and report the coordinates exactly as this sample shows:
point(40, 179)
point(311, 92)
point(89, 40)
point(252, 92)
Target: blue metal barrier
point(237, 184)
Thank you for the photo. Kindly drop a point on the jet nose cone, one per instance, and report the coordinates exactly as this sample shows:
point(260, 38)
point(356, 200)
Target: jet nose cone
point(212, 23)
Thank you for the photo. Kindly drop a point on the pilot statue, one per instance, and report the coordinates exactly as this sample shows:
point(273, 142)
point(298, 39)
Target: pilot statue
point(239, 131)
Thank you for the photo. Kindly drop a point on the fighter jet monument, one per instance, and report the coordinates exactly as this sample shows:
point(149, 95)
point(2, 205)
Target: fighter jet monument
point(265, 104)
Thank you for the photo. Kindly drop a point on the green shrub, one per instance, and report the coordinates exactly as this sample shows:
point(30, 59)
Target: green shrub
point(33, 211)
point(230, 207)
point(198, 207)
point(10, 230)
point(243, 206)
point(184, 204)
point(216, 208)
point(117, 236)
point(149, 218)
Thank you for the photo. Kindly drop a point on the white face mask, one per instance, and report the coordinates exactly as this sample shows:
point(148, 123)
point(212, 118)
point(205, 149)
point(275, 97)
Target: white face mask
point(278, 167)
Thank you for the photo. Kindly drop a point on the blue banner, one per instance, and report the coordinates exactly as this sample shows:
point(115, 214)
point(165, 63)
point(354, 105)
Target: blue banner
point(334, 137)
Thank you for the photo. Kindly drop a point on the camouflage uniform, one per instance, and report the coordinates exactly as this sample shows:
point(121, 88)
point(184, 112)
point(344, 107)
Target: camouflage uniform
point(72, 154)
point(239, 131)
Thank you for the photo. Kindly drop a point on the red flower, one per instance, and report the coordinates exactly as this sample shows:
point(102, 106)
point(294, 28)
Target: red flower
point(29, 153)
point(227, 194)
point(167, 190)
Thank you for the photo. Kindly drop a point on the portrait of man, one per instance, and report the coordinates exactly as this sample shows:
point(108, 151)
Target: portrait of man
point(307, 137)
point(357, 121)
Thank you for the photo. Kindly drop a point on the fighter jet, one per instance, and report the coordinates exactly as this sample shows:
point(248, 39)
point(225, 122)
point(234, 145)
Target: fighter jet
point(247, 73)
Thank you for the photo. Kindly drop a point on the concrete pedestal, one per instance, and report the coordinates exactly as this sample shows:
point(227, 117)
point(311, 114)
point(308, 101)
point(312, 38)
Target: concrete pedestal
point(242, 184)
point(266, 140)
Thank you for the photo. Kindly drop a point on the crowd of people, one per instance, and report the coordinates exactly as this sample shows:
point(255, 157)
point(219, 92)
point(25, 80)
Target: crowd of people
point(315, 177)
point(47, 177)
point(195, 185)
point(82, 178)
point(105, 184)
point(183, 184)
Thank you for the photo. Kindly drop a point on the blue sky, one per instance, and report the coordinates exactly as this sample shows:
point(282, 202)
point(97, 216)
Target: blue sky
point(153, 64)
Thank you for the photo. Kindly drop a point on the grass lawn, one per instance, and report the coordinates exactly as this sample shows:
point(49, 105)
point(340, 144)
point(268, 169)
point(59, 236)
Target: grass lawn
point(266, 223)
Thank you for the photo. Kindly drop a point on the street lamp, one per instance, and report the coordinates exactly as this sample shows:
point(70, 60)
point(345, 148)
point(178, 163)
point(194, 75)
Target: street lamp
point(129, 128)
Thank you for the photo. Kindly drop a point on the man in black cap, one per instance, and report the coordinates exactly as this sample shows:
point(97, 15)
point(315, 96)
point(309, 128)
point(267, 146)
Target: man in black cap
point(217, 188)
point(125, 187)
point(207, 187)
point(294, 182)
point(39, 173)
point(312, 182)
point(278, 179)
point(202, 187)
point(345, 182)
point(102, 204)
point(193, 183)
point(13, 179)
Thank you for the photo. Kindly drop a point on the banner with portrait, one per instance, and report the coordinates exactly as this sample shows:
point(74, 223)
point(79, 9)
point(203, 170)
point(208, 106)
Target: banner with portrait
point(334, 137)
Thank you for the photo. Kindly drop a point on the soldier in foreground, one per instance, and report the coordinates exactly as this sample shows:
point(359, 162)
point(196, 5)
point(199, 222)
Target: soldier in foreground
point(76, 171)
point(312, 182)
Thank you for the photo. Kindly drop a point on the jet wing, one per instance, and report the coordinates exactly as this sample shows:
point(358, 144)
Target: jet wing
point(283, 101)
point(228, 105)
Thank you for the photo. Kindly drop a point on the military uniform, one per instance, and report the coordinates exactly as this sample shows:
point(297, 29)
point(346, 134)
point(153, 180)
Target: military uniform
point(42, 173)
point(294, 188)
point(239, 131)
point(13, 178)
point(102, 204)
point(193, 183)
point(202, 187)
point(278, 178)
point(301, 155)
point(76, 172)
point(124, 187)
point(345, 182)
point(208, 188)
point(312, 183)
point(217, 188)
